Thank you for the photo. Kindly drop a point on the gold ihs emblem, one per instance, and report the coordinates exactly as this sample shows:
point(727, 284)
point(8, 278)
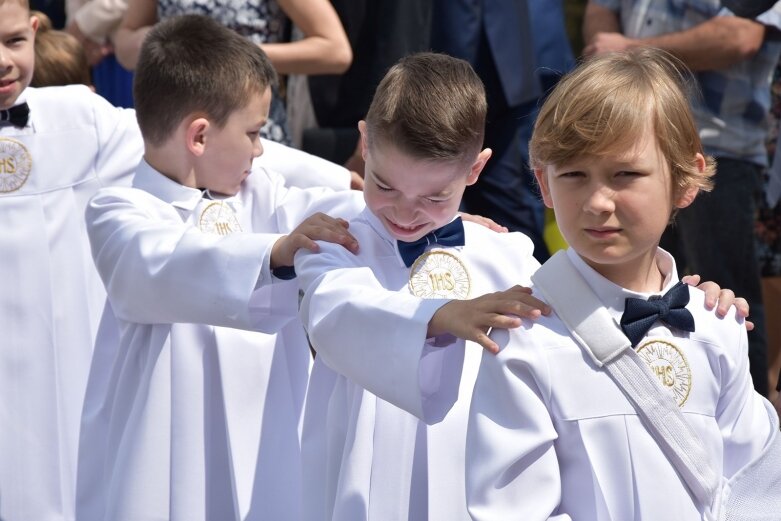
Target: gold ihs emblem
point(219, 219)
point(439, 274)
point(670, 366)
point(15, 165)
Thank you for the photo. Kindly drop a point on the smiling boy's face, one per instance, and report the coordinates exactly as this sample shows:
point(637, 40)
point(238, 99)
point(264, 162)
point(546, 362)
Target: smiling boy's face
point(17, 51)
point(411, 196)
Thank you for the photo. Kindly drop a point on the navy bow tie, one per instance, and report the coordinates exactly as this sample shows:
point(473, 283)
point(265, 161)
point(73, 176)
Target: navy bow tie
point(16, 115)
point(449, 235)
point(639, 314)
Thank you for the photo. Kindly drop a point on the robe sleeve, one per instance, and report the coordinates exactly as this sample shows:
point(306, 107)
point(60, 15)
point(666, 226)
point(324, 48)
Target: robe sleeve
point(376, 337)
point(157, 270)
point(741, 413)
point(512, 471)
point(120, 146)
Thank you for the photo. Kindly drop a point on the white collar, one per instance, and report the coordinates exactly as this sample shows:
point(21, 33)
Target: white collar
point(148, 179)
point(614, 296)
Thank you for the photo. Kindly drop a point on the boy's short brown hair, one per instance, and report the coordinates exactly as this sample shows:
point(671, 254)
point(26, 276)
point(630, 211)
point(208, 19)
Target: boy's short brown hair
point(430, 106)
point(602, 107)
point(59, 57)
point(192, 64)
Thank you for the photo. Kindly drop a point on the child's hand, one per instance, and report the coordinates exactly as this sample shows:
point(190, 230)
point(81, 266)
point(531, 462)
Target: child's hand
point(723, 297)
point(317, 227)
point(484, 221)
point(473, 319)
point(356, 181)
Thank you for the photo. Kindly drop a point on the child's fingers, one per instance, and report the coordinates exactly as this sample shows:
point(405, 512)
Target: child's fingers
point(484, 221)
point(520, 307)
point(299, 241)
point(504, 322)
point(485, 341)
point(336, 234)
point(712, 293)
point(725, 300)
point(741, 305)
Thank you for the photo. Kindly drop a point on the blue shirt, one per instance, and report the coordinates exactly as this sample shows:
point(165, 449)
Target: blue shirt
point(732, 110)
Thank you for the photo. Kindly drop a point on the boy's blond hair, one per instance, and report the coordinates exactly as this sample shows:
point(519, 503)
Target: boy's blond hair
point(603, 106)
point(59, 57)
point(192, 64)
point(430, 106)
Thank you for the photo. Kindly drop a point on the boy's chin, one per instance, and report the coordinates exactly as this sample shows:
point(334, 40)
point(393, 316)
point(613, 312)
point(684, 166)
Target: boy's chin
point(400, 234)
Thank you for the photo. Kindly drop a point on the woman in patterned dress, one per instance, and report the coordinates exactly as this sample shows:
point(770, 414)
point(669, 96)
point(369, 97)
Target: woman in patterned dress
point(323, 50)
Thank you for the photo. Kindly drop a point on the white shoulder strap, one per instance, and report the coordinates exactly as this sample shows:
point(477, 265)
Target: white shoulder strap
point(600, 336)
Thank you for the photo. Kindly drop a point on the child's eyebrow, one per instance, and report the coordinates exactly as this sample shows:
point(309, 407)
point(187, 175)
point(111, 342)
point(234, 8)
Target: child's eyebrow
point(379, 178)
point(15, 32)
point(442, 193)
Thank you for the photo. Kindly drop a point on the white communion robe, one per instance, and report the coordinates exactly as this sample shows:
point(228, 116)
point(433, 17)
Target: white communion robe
point(195, 413)
point(51, 296)
point(551, 436)
point(367, 455)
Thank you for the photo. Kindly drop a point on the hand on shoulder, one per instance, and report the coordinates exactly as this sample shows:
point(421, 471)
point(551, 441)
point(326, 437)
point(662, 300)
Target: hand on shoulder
point(317, 227)
point(473, 319)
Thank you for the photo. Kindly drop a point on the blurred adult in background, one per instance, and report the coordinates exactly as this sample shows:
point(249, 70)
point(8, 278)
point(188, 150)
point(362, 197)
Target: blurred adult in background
point(324, 49)
point(380, 33)
point(499, 38)
point(93, 23)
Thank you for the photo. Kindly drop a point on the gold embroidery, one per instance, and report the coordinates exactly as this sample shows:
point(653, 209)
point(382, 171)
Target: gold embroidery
point(439, 274)
point(15, 165)
point(670, 366)
point(218, 218)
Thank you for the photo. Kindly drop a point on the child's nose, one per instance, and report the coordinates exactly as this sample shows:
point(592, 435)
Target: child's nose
point(5, 59)
point(600, 201)
point(405, 211)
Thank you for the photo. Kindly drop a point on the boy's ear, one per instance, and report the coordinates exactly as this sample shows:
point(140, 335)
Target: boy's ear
point(542, 181)
point(687, 197)
point(195, 135)
point(478, 165)
point(363, 139)
point(34, 23)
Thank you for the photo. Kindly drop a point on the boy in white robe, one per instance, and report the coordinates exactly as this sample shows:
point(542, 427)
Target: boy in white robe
point(374, 318)
point(58, 146)
point(200, 370)
point(551, 434)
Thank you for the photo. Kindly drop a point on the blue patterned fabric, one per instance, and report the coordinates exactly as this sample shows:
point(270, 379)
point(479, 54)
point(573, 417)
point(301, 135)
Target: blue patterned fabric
point(262, 21)
point(732, 110)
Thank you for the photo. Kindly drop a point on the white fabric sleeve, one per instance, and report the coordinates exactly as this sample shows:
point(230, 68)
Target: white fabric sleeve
point(371, 335)
point(301, 169)
point(160, 271)
point(512, 471)
point(120, 144)
point(740, 412)
point(293, 204)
